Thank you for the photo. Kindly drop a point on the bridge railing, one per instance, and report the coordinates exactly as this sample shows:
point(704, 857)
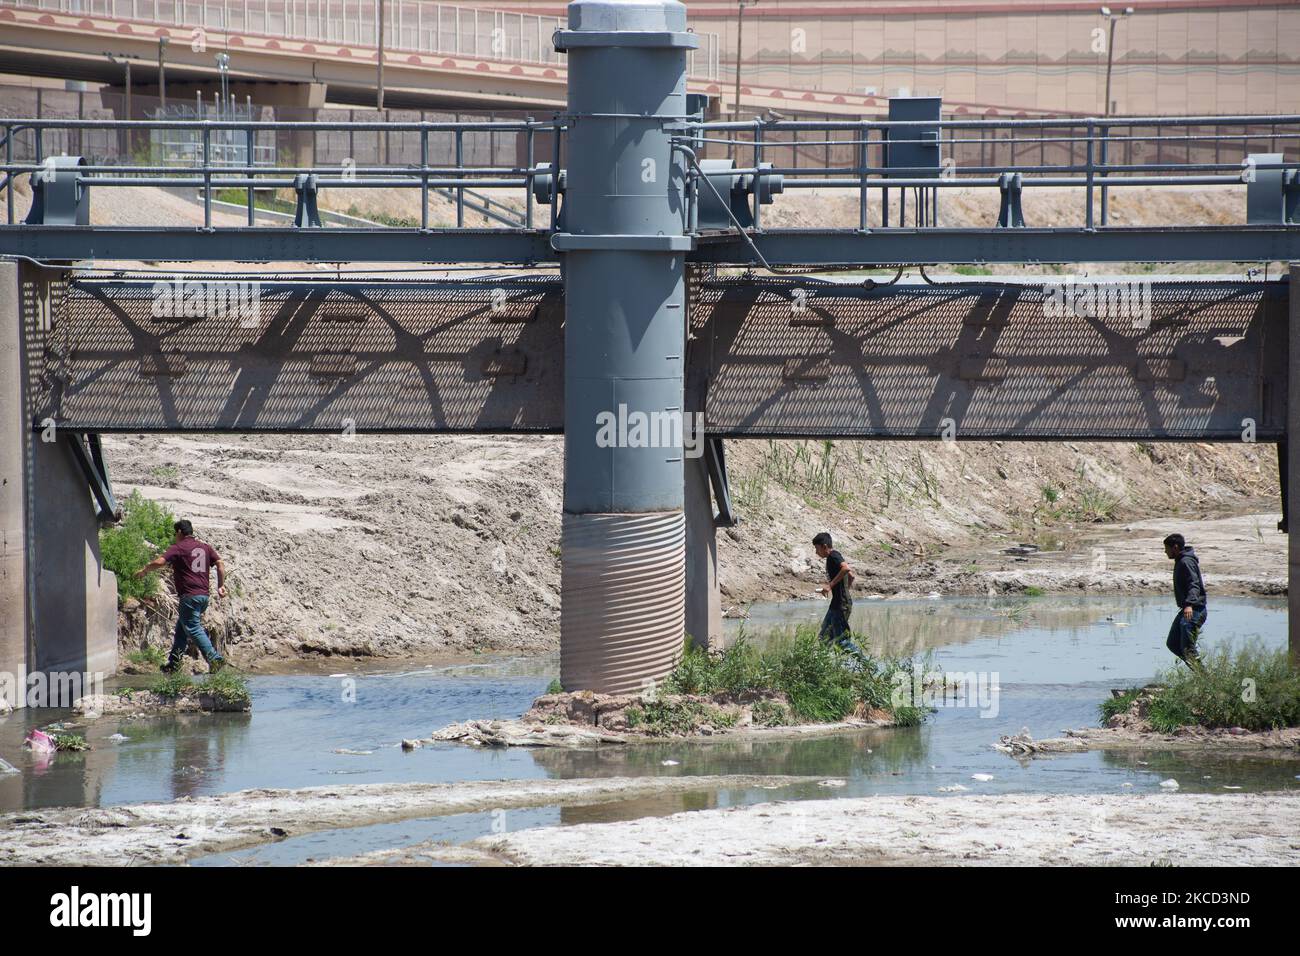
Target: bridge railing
point(1092, 156)
point(219, 181)
point(1087, 159)
point(410, 26)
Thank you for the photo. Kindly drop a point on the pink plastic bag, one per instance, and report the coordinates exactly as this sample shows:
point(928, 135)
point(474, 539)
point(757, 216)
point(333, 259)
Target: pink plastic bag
point(39, 742)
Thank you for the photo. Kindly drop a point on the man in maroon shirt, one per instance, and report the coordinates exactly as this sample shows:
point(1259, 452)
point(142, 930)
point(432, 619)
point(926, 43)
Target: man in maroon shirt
point(191, 561)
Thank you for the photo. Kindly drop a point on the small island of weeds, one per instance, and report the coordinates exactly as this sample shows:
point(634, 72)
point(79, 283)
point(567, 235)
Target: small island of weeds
point(1250, 688)
point(799, 682)
point(1245, 700)
point(178, 693)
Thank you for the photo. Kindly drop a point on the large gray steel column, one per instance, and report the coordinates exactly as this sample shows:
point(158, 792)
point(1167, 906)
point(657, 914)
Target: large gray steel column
point(623, 545)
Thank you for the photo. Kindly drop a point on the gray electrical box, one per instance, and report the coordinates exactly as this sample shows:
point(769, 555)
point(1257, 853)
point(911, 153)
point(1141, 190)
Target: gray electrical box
point(914, 146)
point(1272, 195)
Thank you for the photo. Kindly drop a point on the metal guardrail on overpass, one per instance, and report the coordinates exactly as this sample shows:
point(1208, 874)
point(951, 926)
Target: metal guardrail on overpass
point(410, 26)
point(722, 213)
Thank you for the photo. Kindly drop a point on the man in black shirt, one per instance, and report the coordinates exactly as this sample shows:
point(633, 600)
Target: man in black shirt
point(839, 577)
point(1189, 595)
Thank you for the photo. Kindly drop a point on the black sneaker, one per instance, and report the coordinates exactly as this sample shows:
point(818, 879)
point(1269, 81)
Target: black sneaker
point(169, 667)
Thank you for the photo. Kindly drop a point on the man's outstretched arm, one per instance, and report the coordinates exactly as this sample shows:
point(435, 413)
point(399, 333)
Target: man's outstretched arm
point(221, 578)
point(157, 564)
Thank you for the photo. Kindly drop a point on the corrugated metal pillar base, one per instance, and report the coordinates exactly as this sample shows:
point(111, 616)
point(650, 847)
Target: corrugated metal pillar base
point(623, 593)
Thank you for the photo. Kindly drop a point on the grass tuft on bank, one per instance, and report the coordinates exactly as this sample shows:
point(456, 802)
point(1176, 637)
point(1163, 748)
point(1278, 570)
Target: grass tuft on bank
point(226, 685)
point(1251, 687)
point(824, 684)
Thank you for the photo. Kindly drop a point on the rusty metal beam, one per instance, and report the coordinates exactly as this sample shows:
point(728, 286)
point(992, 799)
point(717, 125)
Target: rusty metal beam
point(418, 357)
point(987, 360)
point(767, 357)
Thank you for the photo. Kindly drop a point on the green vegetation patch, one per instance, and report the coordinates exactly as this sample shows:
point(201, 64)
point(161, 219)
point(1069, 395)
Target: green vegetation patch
point(676, 716)
point(145, 530)
point(823, 683)
point(226, 685)
point(147, 656)
point(1250, 687)
point(171, 686)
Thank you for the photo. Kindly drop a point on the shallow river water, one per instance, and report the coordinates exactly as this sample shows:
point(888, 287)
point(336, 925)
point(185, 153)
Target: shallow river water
point(1047, 663)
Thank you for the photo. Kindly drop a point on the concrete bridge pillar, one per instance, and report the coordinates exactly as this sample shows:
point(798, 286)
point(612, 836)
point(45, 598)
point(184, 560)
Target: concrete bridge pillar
point(58, 605)
point(1292, 465)
point(703, 599)
point(623, 554)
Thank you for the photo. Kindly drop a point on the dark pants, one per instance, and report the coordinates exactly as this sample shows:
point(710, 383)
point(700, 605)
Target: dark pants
point(189, 627)
point(835, 625)
point(1183, 634)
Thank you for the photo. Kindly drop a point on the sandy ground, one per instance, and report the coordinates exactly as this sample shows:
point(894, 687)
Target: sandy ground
point(1018, 830)
point(922, 517)
point(387, 547)
point(154, 833)
point(1188, 830)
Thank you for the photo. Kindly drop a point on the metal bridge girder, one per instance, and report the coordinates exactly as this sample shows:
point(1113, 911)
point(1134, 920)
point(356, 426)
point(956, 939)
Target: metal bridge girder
point(796, 357)
point(195, 354)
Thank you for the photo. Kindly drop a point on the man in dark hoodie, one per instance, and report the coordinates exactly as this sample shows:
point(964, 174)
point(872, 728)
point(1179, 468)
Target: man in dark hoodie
point(1189, 595)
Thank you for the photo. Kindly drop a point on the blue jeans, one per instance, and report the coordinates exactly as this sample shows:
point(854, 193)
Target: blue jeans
point(835, 626)
point(189, 627)
point(1183, 634)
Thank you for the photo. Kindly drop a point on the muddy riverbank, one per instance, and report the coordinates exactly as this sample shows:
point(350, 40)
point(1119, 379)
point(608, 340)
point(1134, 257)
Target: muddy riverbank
point(1167, 829)
point(1022, 830)
point(160, 833)
point(1283, 743)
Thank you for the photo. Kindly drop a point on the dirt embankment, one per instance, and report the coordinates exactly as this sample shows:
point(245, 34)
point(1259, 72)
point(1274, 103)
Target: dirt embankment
point(419, 547)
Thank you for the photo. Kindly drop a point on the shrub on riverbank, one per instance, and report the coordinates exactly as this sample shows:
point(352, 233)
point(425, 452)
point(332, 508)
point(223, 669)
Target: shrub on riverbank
point(824, 684)
point(146, 529)
point(1251, 687)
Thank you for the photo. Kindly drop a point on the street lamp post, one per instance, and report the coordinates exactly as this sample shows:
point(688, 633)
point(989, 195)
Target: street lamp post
point(379, 102)
point(162, 75)
point(1113, 18)
point(740, 35)
point(223, 68)
point(125, 142)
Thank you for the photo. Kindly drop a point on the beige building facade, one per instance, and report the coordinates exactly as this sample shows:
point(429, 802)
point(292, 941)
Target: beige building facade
point(1171, 57)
